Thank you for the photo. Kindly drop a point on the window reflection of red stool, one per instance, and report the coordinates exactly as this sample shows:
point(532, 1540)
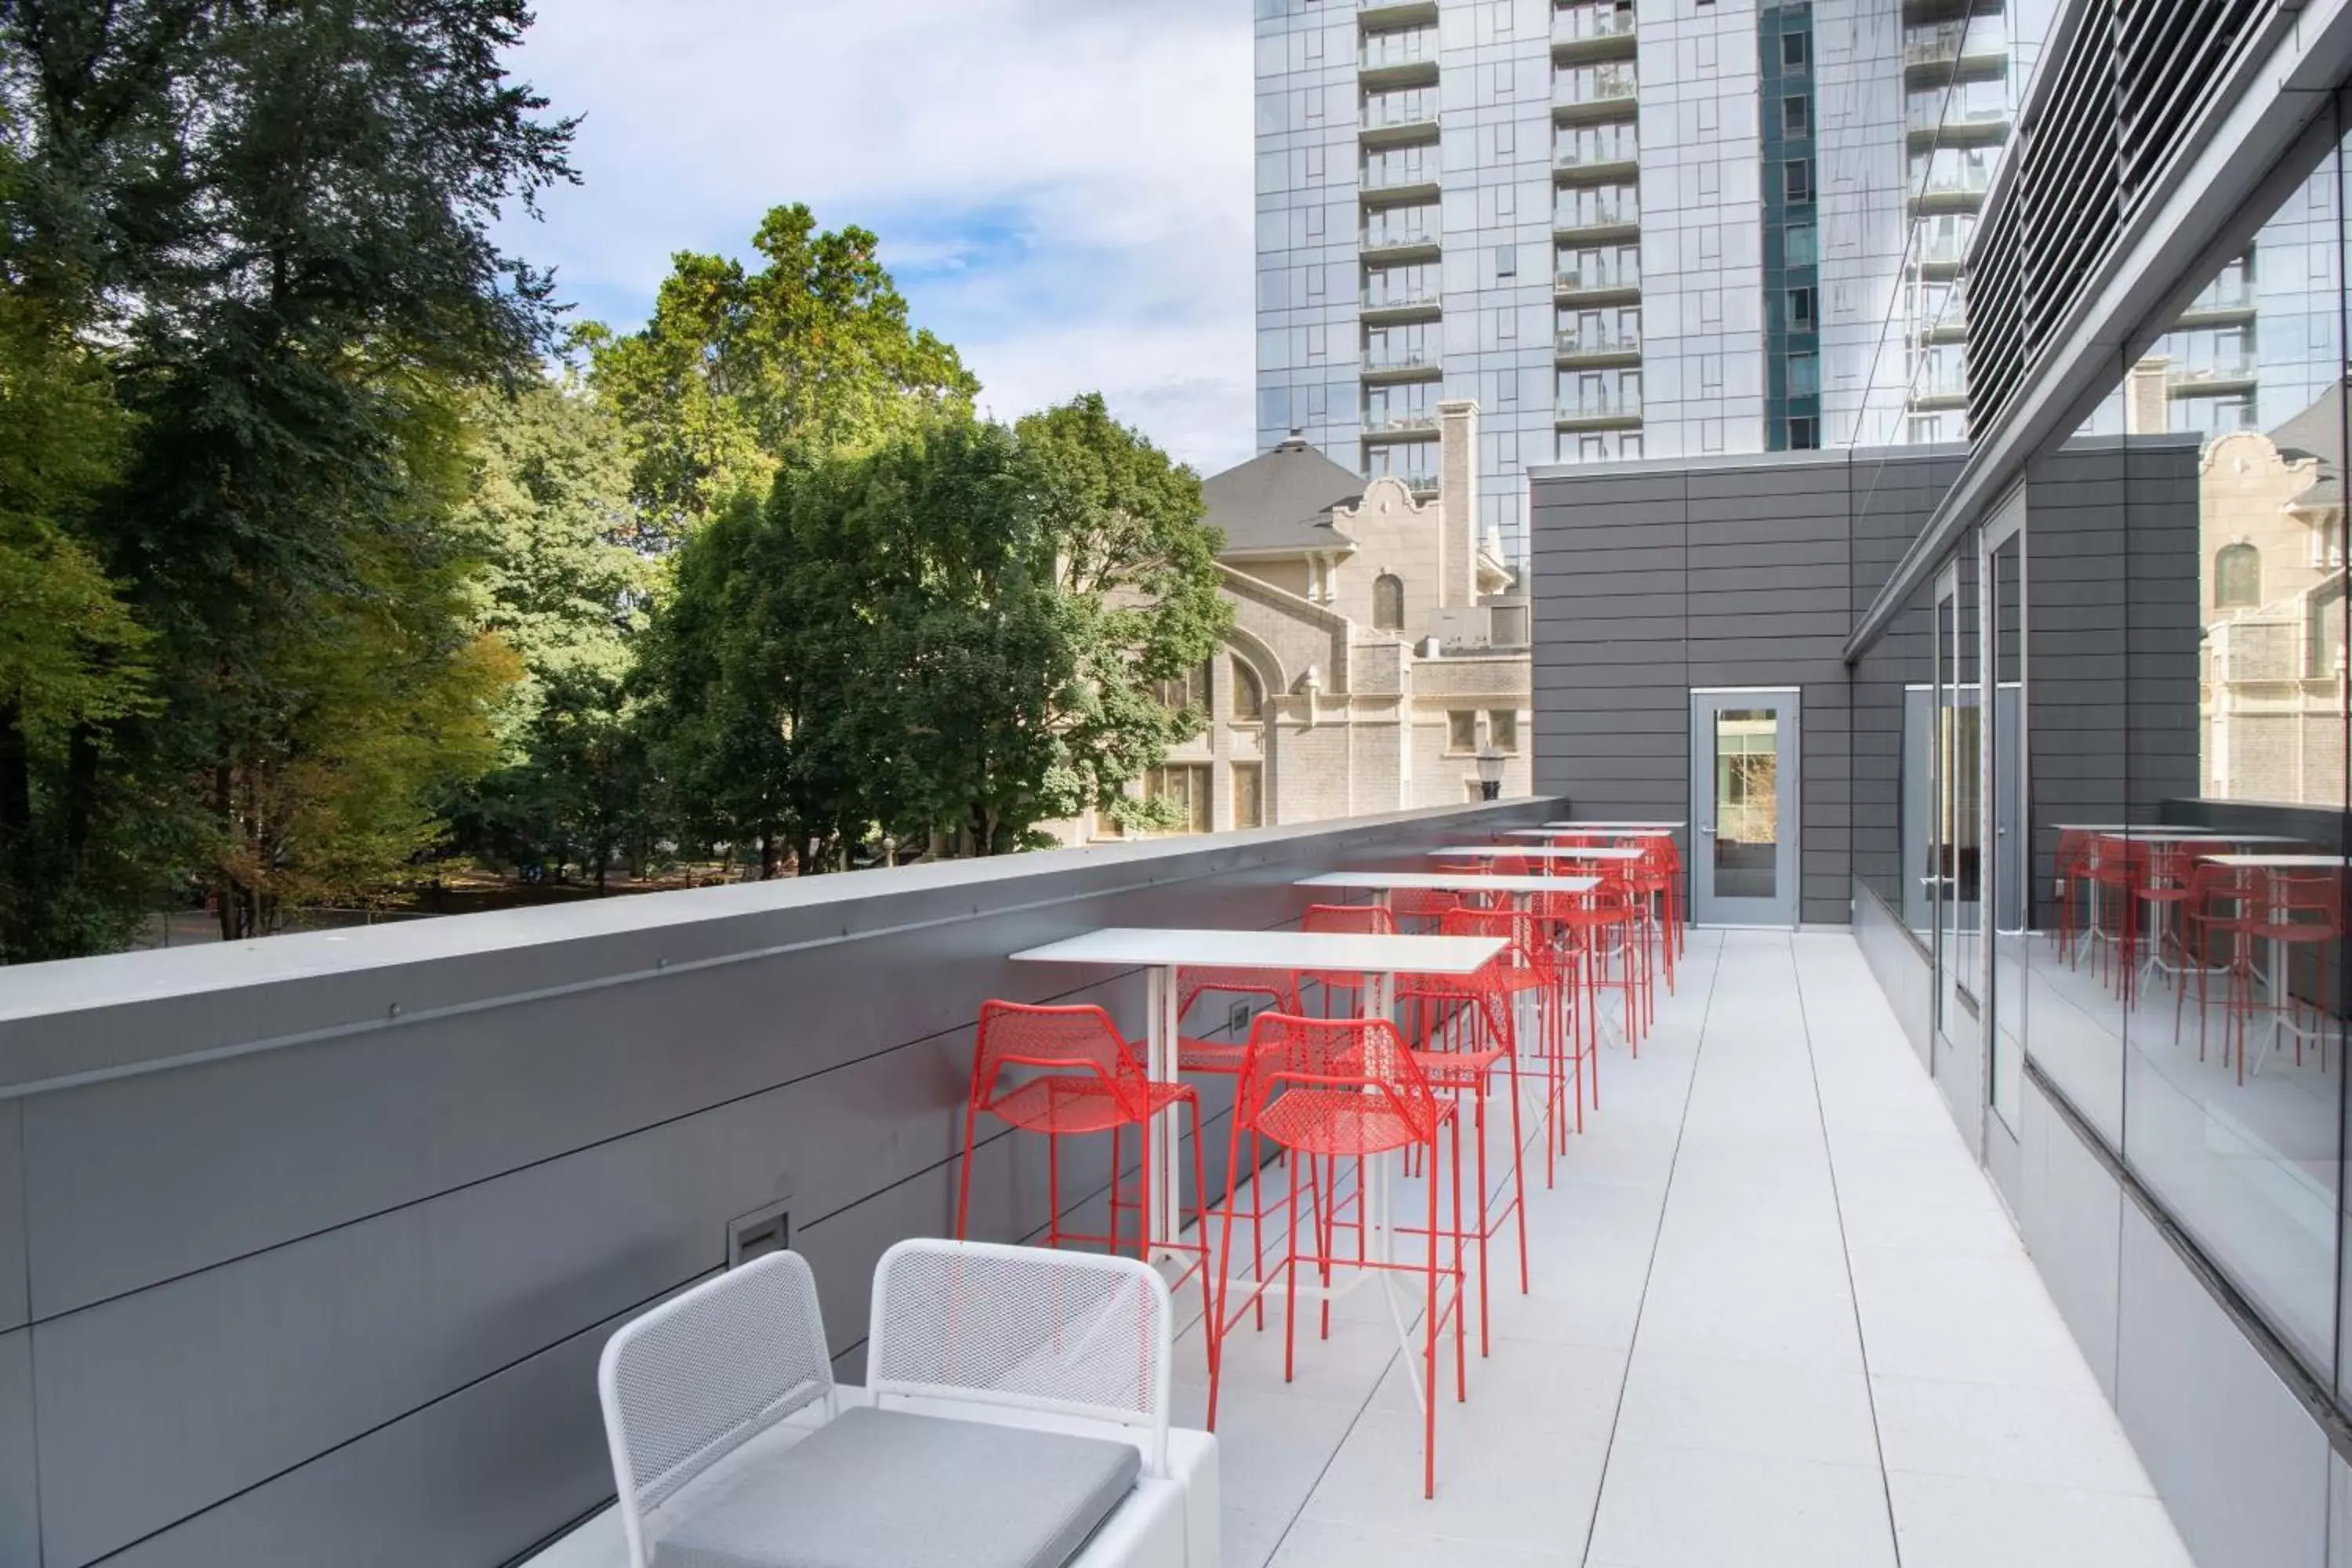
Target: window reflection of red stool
point(1333, 1089)
point(1067, 1072)
point(2217, 919)
point(2164, 890)
point(2073, 864)
point(2302, 912)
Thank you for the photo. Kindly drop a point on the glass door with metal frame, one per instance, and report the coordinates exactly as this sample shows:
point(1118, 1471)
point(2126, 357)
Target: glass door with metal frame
point(1744, 774)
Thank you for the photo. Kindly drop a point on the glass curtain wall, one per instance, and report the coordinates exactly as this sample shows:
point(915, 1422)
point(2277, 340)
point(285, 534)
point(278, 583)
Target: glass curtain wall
point(2157, 848)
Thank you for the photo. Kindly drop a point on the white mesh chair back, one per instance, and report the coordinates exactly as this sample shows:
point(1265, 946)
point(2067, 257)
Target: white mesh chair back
point(703, 1374)
point(1061, 1333)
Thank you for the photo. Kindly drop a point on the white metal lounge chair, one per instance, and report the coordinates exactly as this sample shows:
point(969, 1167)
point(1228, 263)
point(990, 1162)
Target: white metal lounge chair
point(1015, 1416)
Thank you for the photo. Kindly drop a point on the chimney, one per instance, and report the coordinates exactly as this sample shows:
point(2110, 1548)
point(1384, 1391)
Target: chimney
point(1457, 504)
point(2146, 410)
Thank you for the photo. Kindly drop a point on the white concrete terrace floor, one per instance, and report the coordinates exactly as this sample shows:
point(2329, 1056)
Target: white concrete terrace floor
point(1779, 1318)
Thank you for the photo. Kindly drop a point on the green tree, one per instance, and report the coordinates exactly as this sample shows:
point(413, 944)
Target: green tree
point(72, 657)
point(548, 516)
point(738, 367)
point(277, 217)
point(961, 633)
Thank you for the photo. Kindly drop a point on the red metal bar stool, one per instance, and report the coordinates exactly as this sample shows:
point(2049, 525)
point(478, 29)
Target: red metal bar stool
point(1364, 919)
point(1067, 1072)
point(1652, 879)
point(1272, 991)
point(1332, 1089)
point(1560, 919)
point(1462, 1058)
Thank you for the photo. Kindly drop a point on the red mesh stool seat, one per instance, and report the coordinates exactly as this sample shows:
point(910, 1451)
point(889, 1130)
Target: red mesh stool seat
point(1068, 1072)
point(1334, 1088)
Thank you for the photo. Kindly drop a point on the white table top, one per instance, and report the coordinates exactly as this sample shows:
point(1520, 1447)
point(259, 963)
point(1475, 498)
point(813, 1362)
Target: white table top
point(1587, 831)
point(1131, 946)
point(1451, 882)
point(1540, 852)
point(1607, 826)
point(2281, 862)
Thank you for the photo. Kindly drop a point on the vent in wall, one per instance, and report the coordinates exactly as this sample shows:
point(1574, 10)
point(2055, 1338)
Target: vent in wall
point(757, 1234)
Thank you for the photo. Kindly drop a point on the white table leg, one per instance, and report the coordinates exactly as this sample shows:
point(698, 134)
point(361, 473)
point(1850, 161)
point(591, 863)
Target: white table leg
point(1163, 1133)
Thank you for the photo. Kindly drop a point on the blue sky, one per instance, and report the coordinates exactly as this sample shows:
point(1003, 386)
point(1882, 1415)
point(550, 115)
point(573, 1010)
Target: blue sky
point(1063, 187)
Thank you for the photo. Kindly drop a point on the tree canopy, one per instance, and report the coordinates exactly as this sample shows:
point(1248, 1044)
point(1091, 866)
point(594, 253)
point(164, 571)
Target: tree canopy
point(319, 561)
point(959, 634)
point(739, 367)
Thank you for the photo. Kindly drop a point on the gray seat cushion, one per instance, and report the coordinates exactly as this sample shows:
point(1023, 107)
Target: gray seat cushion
point(885, 1488)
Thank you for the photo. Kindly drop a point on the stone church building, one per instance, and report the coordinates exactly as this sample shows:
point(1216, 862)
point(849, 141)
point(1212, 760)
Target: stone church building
point(1378, 645)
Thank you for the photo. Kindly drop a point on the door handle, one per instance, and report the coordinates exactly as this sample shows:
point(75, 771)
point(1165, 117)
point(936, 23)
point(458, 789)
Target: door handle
point(1705, 829)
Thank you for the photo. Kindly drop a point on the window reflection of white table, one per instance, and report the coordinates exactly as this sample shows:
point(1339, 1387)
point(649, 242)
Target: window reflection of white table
point(1620, 827)
point(1161, 954)
point(1534, 852)
point(2276, 982)
point(1557, 834)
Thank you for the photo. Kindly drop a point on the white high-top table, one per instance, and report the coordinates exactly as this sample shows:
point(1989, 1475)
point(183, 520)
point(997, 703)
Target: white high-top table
point(1449, 882)
point(1160, 954)
point(1626, 826)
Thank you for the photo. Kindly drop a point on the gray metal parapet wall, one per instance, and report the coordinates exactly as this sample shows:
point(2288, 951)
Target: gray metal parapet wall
point(307, 1246)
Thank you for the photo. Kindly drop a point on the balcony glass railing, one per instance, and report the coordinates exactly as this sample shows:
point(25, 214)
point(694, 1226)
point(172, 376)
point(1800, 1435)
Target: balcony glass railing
point(1397, 174)
point(1584, 24)
point(1586, 280)
point(1971, 177)
point(1391, 236)
point(1413, 47)
point(1938, 109)
point(1940, 43)
point(2231, 292)
point(1406, 299)
point(1585, 153)
point(1589, 84)
point(1596, 214)
point(1393, 422)
point(1598, 340)
point(2227, 367)
point(1384, 111)
point(1620, 404)
point(1396, 358)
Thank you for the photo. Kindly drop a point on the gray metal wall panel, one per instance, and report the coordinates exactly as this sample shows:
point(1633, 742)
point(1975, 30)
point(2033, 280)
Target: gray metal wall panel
point(2243, 1470)
point(505, 1464)
point(14, 1295)
point(20, 1498)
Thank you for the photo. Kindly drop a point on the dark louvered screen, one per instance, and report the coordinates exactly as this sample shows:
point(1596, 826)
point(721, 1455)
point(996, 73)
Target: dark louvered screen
point(2174, 53)
point(2132, 77)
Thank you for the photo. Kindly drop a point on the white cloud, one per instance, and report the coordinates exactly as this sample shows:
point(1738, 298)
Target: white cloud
point(1063, 187)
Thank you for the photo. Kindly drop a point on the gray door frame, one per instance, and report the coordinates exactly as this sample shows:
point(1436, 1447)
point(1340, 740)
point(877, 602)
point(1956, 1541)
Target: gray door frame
point(1709, 907)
